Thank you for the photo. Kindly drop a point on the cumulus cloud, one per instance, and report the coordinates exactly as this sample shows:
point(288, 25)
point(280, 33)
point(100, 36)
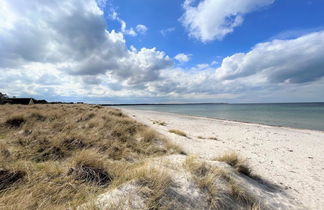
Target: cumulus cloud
point(72, 34)
point(141, 29)
point(291, 61)
point(267, 69)
point(183, 58)
point(214, 19)
point(123, 26)
point(166, 31)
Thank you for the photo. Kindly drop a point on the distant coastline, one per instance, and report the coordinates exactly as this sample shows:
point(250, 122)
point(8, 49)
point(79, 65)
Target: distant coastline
point(221, 103)
point(158, 104)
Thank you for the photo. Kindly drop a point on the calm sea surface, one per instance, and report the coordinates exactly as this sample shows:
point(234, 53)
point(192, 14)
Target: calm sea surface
point(298, 115)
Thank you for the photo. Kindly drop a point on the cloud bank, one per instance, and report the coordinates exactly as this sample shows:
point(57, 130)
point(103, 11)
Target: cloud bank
point(280, 61)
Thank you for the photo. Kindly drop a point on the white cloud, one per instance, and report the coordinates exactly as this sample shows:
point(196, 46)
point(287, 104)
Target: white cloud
point(124, 30)
point(130, 32)
point(202, 66)
point(72, 39)
point(214, 63)
point(268, 68)
point(183, 58)
point(214, 19)
point(123, 25)
point(102, 4)
point(74, 55)
point(114, 15)
point(141, 29)
point(292, 61)
point(166, 31)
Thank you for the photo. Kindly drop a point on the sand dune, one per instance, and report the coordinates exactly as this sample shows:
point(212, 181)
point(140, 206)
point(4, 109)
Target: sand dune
point(291, 158)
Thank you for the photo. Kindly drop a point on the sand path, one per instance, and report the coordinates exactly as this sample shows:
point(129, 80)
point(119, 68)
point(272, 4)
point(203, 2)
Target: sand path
point(292, 158)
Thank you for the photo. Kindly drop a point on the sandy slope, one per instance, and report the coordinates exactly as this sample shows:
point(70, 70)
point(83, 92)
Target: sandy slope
point(185, 194)
point(292, 158)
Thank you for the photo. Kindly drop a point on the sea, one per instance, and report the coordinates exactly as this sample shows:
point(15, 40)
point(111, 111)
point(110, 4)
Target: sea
point(295, 115)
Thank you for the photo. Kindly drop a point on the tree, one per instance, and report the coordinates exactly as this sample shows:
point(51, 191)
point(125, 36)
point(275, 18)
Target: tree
point(3, 96)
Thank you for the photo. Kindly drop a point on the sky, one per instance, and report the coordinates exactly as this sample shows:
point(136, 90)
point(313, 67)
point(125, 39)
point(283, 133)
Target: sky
point(163, 51)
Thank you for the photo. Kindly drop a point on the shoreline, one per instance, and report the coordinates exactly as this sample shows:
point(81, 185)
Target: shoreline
point(289, 157)
point(220, 119)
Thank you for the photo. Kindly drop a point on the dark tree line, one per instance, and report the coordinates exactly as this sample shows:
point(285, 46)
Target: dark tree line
point(3, 97)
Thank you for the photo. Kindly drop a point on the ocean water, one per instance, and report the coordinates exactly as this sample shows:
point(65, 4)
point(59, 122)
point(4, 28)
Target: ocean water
point(296, 115)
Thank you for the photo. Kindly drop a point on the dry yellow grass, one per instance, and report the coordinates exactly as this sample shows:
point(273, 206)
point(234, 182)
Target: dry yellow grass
point(151, 182)
point(178, 132)
point(210, 180)
point(154, 185)
point(66, 155)
point(158, 122)
point(234, 160)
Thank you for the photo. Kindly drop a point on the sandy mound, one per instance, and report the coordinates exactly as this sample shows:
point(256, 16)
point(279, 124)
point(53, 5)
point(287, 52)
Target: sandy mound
point(198, 184)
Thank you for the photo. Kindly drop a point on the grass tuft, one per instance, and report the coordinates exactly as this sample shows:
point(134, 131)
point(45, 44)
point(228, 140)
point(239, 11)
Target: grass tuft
point(38, 116)
point(158, 122)
point(178, 132)
point(8, 178)
point(73, 143)
point(49, 153)
point(87, 173)
point(15, 121)
point(154, 185)
point(4, 151)
point(149, 135)
point(236, 162)
point(223, 191)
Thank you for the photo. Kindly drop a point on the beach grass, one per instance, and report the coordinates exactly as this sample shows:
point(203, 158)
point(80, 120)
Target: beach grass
point(61, 156)
point(178, 132)
point(234, 160)
point(220, 186)
point(159, 122)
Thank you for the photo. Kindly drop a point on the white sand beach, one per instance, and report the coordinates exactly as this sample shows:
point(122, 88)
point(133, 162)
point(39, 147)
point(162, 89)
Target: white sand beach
point(291, 158)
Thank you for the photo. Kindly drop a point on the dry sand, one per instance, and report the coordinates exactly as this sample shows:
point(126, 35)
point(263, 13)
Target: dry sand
point(291, 158)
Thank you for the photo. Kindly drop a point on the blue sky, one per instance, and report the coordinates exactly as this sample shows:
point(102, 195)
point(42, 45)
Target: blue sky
point(144, 51)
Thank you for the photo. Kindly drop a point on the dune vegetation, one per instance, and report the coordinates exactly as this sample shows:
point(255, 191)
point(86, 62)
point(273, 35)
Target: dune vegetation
point(223, 190)
point(61, 156)
point(178, 132)
point(159, 122)
point(83, 157)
